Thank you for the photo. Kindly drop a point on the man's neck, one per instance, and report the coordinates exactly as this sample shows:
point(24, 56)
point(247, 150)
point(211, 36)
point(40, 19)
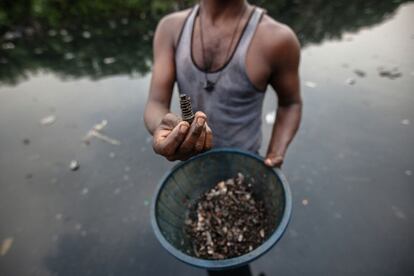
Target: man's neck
point(216, 10)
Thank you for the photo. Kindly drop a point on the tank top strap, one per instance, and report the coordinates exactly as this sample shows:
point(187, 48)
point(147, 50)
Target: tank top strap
point(247, 36)
point(184, 39)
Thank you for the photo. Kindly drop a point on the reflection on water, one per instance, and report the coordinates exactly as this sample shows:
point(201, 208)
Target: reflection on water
point(103, 38)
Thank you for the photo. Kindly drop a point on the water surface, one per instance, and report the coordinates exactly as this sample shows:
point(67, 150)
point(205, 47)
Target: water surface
point(350, 167)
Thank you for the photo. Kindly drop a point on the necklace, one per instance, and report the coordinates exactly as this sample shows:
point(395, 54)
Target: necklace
point(209, 85)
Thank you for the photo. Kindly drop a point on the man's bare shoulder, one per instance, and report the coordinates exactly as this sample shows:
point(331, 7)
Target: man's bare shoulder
point(175, 18)
point(277, 37)
point(172, 23)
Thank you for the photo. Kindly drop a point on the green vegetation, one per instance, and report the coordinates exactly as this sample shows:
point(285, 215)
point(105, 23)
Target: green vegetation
point(99, 38)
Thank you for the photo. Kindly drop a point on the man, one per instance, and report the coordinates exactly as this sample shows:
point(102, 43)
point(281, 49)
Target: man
point(223, 54)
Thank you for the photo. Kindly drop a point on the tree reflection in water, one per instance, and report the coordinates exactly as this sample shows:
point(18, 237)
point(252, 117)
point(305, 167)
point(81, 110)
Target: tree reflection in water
point(100, 38)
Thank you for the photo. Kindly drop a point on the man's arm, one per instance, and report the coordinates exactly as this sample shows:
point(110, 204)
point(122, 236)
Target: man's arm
point(173, 138)
point(285, 81)
point(163, 76)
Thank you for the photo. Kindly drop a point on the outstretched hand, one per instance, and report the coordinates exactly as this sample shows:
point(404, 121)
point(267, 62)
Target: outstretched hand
point(178, 140)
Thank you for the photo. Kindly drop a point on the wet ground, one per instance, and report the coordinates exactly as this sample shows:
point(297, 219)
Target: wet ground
point(350, 168)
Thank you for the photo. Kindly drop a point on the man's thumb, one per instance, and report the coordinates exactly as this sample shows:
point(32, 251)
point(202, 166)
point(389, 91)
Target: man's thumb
point(275, 161)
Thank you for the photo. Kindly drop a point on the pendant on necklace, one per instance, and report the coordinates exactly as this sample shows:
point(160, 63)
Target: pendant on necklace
point(209, 86)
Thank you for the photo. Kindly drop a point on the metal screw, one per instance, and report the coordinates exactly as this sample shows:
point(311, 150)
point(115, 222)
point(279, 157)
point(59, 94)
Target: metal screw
point(186, 109)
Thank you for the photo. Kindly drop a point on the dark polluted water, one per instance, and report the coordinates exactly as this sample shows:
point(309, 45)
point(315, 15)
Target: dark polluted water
point(77, 171)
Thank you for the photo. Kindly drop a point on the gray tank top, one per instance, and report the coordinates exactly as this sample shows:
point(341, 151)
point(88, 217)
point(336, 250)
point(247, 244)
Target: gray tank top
point(234, 107)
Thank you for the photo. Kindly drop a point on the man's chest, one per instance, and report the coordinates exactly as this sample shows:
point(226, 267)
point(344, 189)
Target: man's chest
point(213, 48)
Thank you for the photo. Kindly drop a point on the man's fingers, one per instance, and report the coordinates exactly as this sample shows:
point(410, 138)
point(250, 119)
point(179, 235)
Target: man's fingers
point(194, 140)
point(199, 146)
point(168, 145)
point(192, 137)
point(268, 162)
point(274, 161)
point(208, 144)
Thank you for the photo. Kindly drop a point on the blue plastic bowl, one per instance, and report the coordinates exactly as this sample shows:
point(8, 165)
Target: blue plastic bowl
point(188, 180)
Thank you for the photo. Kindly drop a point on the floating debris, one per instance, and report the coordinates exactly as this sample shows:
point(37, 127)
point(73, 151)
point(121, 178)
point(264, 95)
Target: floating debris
point(270, 117)
point(67, 39)
point(95, 132)
point(46, 121)
point(408, 172)
point(109, 60)
point(52, 32)
point(398, 212)
point(112, 154)
point(5, 246)
point(11, 35)
point(360, 73)
point(86, 34)
point(350, 81)
point(84, 191)
point(389, 73)
point(224, 222)
point(101, 125)
point(69, 56)
point(405, 122)
point(8, 46)
point(74, 165)
point(58, 216)
point(305, 202)
point(105, 138)
point(310, 84)
point(146, 202)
